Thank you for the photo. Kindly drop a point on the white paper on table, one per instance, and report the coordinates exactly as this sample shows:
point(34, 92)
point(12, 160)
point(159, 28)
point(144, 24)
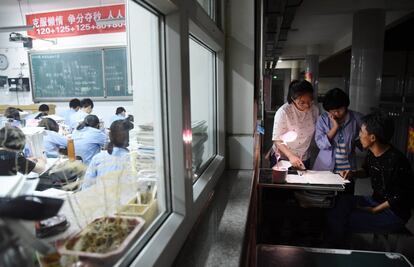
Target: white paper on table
point(316, 177)
point(52, 192)
point(54, 117)
point(10, 185)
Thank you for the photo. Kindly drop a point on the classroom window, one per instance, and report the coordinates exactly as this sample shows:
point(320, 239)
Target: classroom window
point(203, 105)
point(123, 196)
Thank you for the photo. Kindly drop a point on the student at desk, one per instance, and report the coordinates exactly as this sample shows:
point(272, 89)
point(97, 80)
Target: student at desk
point(120, 114)
point(74, 106)
point(116, 158)
point(88, 138)
point(336, 131)
point(389, 207)
point(298, 115)
point(43, 110)
point(86, 107)
point(12, 116)
point(12, 160)
point(52, 141)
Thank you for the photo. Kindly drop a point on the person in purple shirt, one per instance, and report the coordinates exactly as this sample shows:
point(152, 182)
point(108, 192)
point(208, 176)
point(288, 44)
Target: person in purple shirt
point(336, 133)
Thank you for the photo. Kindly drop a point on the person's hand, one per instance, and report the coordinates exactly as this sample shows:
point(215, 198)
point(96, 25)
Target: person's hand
point(32, 159)
point(347, 175)
point(297, 163)
point(41, 160)
point(372, 210)
point(334, 122)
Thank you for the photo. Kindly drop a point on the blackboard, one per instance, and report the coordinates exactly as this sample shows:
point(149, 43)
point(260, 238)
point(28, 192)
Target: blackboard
point(116, 78)
point(99, 73)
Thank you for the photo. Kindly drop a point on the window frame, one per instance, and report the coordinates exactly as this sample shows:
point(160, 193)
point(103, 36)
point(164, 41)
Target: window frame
point(136, 249)
point(181, 19)
point(214, 109)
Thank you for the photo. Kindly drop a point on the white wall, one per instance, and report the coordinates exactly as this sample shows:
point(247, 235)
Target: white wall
point(240, 83)
point(18, 56)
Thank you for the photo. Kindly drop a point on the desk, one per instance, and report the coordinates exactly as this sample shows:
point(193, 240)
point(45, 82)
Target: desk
point(287, 256)
point(265, 180)
point(276, 216)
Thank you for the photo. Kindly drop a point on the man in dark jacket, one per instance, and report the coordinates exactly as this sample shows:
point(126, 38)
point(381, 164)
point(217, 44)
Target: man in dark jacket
point(389, 207)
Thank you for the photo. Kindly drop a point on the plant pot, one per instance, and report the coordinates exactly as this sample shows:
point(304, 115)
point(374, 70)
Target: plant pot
point(88, 243)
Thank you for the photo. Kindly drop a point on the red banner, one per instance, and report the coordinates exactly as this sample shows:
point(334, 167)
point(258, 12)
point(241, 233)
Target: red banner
point(75, 22)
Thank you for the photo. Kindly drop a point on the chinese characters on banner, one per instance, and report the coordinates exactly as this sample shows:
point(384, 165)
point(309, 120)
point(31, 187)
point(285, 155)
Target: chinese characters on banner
point(75, 22)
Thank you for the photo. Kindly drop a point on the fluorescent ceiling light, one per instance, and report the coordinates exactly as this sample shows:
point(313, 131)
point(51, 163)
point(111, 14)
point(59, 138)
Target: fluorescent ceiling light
point(107, 22)
point(21, 28)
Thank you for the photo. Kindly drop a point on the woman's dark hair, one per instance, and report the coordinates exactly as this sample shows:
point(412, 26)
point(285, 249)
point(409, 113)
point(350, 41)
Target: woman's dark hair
point(334, 99)
point(119, 110)
point(91, 121)
point(86, 102)
point(12, 113)
point(49, 124)
point(43, 107)
point(74, 103)
point(380, 125)
point(297, 89)
point(12, 138)
point(119, 133)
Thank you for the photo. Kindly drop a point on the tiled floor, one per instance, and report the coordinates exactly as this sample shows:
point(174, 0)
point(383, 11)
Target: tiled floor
point(217, 238)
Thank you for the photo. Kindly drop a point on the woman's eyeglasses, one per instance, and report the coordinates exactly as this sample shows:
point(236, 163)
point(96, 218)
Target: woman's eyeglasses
point(302, 103)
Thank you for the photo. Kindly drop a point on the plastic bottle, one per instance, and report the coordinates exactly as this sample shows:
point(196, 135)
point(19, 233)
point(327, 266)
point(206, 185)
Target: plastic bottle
point(71, 150)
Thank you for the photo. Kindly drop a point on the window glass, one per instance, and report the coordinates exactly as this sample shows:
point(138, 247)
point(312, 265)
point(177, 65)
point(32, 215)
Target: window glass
point(203, 111)
point(114, 194)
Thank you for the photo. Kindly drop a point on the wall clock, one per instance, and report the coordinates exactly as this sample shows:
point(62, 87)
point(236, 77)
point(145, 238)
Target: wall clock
point(4, 62)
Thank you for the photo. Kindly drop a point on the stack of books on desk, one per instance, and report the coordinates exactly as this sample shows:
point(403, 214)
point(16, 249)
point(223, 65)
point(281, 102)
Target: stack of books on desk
point(143, 149)
point(34, 140)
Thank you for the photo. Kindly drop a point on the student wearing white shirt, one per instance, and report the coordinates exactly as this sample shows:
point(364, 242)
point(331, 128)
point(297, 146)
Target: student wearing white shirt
point(86, 107)
point(116, 159)
point(52, 141)
point(88, 138)
point(43, 110)
point(120, 114)
point(74, 106)
point(298, 115)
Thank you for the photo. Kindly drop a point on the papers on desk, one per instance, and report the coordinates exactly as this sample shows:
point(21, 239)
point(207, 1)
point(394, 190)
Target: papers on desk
point(316, 177)
point(16, 185)
point(52, 192)
point(55, 118)
point(11, 185)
